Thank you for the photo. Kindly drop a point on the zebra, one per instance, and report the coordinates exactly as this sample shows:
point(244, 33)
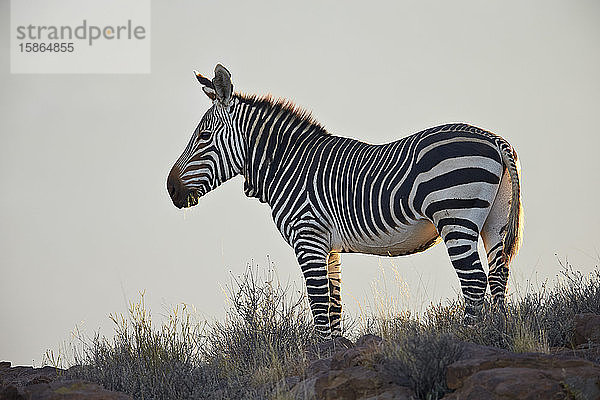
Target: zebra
point(330, 194)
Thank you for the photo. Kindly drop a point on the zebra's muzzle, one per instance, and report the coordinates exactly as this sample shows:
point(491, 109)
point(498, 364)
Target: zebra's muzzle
point(192, 199)
point(186, 199)
point(182, 196)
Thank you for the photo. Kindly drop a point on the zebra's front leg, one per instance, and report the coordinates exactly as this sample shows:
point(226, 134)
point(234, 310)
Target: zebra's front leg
point(335, 299)
point(313, 263)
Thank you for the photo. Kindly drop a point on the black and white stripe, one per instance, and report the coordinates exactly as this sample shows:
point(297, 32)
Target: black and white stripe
point(332, 195)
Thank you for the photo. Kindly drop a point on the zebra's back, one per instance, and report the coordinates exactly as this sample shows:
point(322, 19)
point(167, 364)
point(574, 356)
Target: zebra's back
point(384, 199)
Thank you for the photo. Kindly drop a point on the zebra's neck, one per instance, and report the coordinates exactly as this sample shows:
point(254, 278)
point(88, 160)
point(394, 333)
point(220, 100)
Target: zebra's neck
point(273, 129)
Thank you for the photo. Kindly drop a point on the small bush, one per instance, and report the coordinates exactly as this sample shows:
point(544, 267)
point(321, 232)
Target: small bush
point(422, 356)
point(261, 341)
point(146, 362)
point(264, 334)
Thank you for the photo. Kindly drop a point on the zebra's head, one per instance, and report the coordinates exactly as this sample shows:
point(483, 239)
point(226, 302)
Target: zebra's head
point(215, 153)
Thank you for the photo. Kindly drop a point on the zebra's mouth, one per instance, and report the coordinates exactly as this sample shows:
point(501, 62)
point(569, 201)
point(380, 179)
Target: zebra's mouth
point(192, 199)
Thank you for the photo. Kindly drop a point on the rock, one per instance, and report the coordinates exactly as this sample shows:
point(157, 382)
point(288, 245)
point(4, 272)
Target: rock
point(20, 383)
point(508, 383)
point(357, 383)
point(397, 393)
point(498, 374)
point(23, 376)
point(353, 357)
point(72, 390)
point(368, 340)
point(350, 373)
point(472, 350)
point(582, 387)
point(590, 352)
point(11, 392)
point(360, 354)
point(350, 384)
point(587, 329)
point(318, 366)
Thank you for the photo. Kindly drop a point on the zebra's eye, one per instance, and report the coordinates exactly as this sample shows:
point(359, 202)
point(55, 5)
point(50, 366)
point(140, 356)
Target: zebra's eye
point(204, 135)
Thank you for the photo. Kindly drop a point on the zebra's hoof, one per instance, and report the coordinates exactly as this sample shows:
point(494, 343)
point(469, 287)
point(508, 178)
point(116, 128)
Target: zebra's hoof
point(470, 320)
point(326, 348)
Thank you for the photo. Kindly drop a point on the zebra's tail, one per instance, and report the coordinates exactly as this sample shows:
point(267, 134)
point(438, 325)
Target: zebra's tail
point(514, 228)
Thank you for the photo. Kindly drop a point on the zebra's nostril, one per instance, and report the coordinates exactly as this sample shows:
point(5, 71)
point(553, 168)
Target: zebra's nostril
point(173, 183)
point(173, 190)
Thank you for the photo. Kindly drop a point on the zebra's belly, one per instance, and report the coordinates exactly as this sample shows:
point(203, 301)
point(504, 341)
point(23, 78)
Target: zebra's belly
point(407, 239)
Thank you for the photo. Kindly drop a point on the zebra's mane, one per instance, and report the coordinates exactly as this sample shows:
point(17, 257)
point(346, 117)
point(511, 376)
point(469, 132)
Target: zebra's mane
point(267, 102)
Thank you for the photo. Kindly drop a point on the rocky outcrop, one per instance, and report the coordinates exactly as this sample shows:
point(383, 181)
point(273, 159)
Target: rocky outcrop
point(344, 370)
point(488, 373)
point(353, 371)
point(28, 383)
point(350, 373)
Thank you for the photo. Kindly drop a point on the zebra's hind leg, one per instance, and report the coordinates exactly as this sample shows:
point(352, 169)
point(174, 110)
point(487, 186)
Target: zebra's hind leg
point(313, 263)
point(492, 234)
point(335, 300)
point(498, 276)
point(460, 237)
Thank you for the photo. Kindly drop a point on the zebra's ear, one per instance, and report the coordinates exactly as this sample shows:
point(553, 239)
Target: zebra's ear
point(210, 92)
point(207, 85)
point(222, 85)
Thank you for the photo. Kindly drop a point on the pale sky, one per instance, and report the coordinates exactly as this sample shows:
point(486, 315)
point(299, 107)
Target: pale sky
point(86, 221)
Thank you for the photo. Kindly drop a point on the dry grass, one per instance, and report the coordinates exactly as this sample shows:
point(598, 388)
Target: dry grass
point(268, 327)
point(422, 346)
point(260, 341)
point(535, 321)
